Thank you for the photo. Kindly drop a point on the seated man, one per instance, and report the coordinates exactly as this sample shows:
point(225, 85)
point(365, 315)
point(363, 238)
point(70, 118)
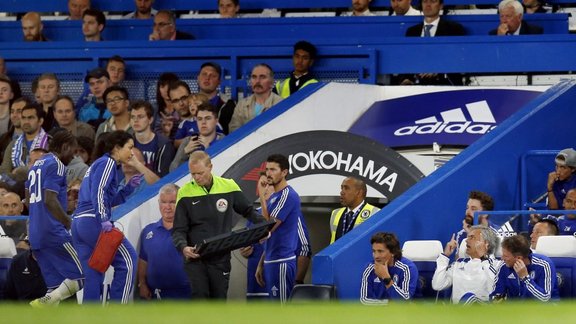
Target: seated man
point(165, 27)
point(76, 8)
point(561, 180)
point(207, 119)
point(433, 26)
point(143, 10)
point(228, 8)
point(511, 22)
point(117, 102)
point(391, 276)
point(136, 176)
point(209, 84)
point(11, 205)
point(567, 222)
point(160, 271)
point(65, 117)
point(32, 27)
point(403, 8)
point(472, 278)
point(24, 281)
point(92, 109)
point(359, 8)
point(544, 227)
point(262, 98)
point(477, 201)
point(525, 274)
point(93, 23)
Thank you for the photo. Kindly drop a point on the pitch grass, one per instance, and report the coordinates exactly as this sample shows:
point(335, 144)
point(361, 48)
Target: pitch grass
point(237, 312)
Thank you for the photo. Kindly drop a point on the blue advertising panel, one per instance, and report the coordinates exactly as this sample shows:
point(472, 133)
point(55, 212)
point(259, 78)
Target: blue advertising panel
point(456, 117)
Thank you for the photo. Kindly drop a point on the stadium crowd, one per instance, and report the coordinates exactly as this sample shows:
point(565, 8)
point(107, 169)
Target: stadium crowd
point(178, 129)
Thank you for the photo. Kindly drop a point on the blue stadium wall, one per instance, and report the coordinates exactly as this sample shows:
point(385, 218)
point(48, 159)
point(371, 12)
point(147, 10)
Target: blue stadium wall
point(434, 207)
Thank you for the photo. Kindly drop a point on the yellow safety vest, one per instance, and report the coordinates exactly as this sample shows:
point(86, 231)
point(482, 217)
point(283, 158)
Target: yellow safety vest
point(283, 87)
point(367, 211)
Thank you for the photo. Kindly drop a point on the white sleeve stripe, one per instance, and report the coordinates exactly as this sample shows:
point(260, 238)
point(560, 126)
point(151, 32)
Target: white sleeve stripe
point(280, 205)
point(547, 281)
point(364, 289)
point(101, 186)
point(404, 291)
point(304, 245)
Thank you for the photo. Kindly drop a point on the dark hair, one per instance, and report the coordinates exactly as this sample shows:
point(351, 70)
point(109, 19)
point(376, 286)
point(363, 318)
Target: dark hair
point(115, 88)
point(86, 143)
point(552, 225)
point(108, 141)
point(390, 241)
point(213, 65)
point(280, 159)
point(208, 107)
point(64, 97)
point(143, 104)
point(177, 84)
point(164, 79)
point(35, 106)
point(116, 58)
point(59, 139)
point(306, 47)
point(100, 18)
point(518, 245)
point(21, 99)
point(485, 199)
point(360, 185)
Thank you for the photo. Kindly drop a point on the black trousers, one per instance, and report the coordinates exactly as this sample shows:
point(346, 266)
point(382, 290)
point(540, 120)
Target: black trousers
point(208, 279)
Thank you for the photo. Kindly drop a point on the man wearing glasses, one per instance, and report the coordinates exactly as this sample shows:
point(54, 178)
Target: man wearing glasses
point(165, 28)
point(117, 103)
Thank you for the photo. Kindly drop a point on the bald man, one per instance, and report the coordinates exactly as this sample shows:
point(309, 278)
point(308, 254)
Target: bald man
point(11, 205)
point(32, 27)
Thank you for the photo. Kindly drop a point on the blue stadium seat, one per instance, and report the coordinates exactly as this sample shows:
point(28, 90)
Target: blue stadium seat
point(7, 251)
point(562, 250)
point(424, 255)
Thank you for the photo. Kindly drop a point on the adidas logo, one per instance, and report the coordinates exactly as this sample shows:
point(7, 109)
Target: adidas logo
point(511, 276)
point(506, 230)
point(454, 122)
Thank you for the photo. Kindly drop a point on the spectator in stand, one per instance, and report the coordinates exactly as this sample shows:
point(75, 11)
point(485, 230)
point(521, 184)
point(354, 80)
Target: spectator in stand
point(432, 26)
point(72, 195)
point(228, 8)
point(567, 222)
point(533, 6)
point(525, 275)
point(15, 129)
point(262, 99)
point(116, 68)
point(143, 10)
point(179, 91)
point(85, 148)
point(209, 84)
point(403, 8)
point(157, 149)
point(477, 201)
point(562, 179)
point(359, 8)
point(207, 119)
point(189, 126)
point(390, 276)
point(302, 59)
point(48, 91)
point(32, 27)
point(117, 101)
point(544, 227)
point(76, 8)
point(93, 23)
point(472, 278)
point(167, 118)
point(15, 85)
point(511, 22)
point(65, 117)
point(33, 137)
point(165, 28)
point(6, 96)
point(92, 109)
point(136, 176)
point(160, 271)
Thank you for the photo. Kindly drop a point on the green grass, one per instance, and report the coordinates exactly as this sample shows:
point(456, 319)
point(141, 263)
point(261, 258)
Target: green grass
point(201, 312)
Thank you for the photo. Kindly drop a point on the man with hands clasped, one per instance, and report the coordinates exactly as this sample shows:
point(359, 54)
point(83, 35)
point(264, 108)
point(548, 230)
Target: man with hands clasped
point(391, 276)
point(472, 278)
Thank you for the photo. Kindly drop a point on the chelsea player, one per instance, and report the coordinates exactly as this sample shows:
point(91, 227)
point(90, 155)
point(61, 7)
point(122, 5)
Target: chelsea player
point(49, 224)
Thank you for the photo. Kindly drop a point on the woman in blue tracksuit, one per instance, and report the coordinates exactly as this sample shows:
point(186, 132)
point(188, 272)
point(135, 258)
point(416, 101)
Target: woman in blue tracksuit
point(98, 194)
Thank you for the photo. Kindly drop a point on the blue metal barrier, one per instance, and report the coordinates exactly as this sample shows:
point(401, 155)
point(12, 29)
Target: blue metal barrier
point(534, 168)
